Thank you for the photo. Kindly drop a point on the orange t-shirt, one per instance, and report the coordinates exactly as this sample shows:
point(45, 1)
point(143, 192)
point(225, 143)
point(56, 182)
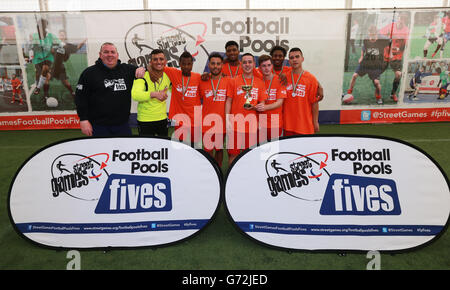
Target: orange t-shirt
point(399, 37)
point(180, 104)
point(15, 83)
point(285, 70)
point(214, 104)
point(297, 116)
point(275, 92)
point(232, 71)
point(256, 95)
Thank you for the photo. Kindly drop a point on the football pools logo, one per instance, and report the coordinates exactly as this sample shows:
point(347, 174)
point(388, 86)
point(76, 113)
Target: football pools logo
point(296, 175)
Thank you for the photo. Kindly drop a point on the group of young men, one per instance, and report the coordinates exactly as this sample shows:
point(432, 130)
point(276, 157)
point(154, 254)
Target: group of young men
point(249, 105)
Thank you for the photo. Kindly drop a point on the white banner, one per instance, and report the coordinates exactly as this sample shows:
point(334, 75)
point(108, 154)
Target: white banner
point(338, 193)
point(137, 33)
point(410, 72)
point(120, 192)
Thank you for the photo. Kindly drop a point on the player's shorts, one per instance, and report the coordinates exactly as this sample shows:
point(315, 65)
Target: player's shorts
point(238, 141)
point(59, 74)
point(39, 66)
point(396, 65)
point(432, 39)
point(17, 91)
point(213, 141)
point(411, 84)
point(373, 72)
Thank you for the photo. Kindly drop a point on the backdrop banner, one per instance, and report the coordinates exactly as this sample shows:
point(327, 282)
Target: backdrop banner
point(338, 193)
point(365, 60)
point(114, 192)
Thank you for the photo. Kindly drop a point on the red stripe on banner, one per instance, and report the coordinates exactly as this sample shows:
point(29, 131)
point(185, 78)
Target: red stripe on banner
point(36, 122)
point(395, 115)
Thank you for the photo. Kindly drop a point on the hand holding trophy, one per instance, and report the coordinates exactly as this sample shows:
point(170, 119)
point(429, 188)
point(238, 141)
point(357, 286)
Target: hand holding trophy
point(247, 89)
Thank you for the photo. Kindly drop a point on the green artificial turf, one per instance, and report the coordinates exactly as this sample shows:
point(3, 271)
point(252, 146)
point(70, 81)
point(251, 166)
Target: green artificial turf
point(219, 246)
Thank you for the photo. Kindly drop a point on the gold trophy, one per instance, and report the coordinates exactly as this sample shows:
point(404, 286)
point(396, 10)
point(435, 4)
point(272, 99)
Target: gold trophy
point(247, 89)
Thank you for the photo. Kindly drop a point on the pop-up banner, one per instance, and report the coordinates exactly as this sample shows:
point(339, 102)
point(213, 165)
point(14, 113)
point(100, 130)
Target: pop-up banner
point(114, 192)
point(338, 193)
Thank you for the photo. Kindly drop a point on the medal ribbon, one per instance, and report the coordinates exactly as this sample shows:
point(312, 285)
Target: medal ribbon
point(216, 88)
point(270, 85)
point(281, 71)
point(184, 89)
point(237, 70)
point(294, 88)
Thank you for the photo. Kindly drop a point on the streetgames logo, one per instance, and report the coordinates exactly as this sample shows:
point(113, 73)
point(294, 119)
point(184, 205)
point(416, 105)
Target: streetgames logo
point(144, 37)
point(79, 176)
point(116, 85)
point(297, 175)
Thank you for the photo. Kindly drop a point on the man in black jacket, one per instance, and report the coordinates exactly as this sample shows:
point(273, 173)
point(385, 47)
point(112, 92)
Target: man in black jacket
point(103, 95)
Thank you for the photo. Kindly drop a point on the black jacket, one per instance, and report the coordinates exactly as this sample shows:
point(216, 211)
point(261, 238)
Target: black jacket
point(103, 95)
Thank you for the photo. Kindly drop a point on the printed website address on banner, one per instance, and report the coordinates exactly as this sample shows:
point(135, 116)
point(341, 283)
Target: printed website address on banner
point(435, 114)
point(40, 121)
point(363, 230)
point(111, 227)
point(303, 229)
point(84, 229)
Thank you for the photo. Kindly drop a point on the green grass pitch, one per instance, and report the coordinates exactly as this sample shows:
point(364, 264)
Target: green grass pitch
point(219, 246)
point(417, 43)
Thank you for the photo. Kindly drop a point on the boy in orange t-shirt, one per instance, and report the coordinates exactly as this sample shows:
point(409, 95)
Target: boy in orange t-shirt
point(278, 54)
point(185, 105)
point(301, 107)
point(213, 93)
point(242, 122)
point(16, 89)
point(270, 117)
point(233, 67)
